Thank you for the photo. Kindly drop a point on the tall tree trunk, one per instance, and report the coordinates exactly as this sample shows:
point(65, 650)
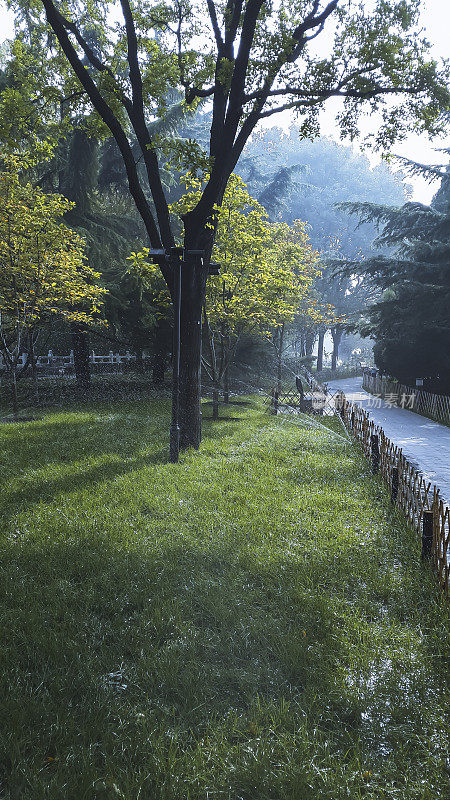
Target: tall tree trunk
point(33, 367)
point(192, 291)
point(161, 350)
point(15, 403)
point(320, 351)
point(80, 344)
point(215, 403)
point(337, 336)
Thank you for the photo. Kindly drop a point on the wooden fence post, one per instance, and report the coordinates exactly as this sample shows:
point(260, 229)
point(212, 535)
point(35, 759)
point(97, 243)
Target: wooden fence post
point(394, 485)
point(375, 451)
point(274, 401)
point(427, 533)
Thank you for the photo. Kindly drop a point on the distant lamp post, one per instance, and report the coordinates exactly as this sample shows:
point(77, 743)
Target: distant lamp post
point(176, 257)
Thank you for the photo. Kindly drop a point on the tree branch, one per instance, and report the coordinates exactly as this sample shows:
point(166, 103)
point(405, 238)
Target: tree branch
point(89, 53)
point(192, 92)
point(137, 119)
point(241, 65)
point(132, 56)
point(336, 91)
point(109, 118)
point(309, 23)
point(233, 13)
point(215, 24)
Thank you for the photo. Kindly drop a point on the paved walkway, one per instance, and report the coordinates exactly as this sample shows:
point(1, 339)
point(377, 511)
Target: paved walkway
point(425, 443)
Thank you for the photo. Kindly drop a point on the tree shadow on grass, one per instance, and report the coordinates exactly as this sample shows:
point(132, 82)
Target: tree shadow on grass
point(116, 654)
point(49, 459)
point(224, 419)
point(173, 620)
point(45, 461)
point(31, 492)
point(71, 438)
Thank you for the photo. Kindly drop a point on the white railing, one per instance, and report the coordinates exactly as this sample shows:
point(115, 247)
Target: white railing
point(52, 360)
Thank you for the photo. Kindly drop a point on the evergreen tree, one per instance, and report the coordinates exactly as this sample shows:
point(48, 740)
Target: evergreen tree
point(298, 179)
point(410, 322)
point(109, 228)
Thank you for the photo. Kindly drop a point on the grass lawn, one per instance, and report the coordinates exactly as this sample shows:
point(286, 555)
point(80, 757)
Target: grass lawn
point(253, 623)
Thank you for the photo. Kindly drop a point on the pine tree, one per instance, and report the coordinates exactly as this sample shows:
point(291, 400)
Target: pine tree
point(410, 322)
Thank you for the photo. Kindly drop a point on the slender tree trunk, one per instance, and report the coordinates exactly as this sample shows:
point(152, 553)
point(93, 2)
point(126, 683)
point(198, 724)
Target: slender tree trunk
point(279, 371)
point(158, 368)
point(226, 385)
point(337, 336)
point(80, 343)
point(226, 373)
point(279, 354)
point(302, 345)
point(309, 342)
point(192, 291)
point(139, 360)
point(320, 351)
point(15, 403)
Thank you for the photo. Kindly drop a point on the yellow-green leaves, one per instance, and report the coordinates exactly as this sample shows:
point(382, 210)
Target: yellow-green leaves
point(267, 269)
point(43, 266)
point(147, 277)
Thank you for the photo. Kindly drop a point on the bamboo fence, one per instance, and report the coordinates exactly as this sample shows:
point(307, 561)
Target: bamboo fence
point(434, 406)
point(410, 491)
point(418, 498)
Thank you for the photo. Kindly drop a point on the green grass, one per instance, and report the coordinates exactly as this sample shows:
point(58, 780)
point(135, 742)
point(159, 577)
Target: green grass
point(251, 624)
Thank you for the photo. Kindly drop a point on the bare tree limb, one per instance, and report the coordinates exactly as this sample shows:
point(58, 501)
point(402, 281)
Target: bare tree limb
point(215, 25)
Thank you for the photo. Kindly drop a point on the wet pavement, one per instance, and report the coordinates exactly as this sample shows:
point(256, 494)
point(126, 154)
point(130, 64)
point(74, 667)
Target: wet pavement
point(425, 443)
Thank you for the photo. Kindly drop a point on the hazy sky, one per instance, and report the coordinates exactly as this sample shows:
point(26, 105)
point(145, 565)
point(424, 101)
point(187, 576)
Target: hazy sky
point(435, 16)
